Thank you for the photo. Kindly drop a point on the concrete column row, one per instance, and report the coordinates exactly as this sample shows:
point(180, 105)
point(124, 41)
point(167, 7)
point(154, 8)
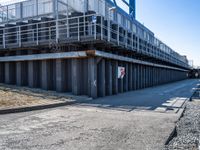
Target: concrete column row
point(95, 77)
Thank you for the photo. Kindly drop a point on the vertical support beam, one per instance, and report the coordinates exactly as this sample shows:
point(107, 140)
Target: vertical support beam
point(151, 70)
point(92, 78)
point(126, 77)
point(59, 75)
point(101, 78)
point(18, 73)
point(2, 73)
point(109, 78)
point(120, 81)
point(145, 77)
point(46, 74)
point(10, 70)
point(7, 72)
point(134, 76)
point(148, 76)
point(76, 82)
point(138, 76)
point(21, 72)
point(130, 77)
point(34, 74)
point(115, 77)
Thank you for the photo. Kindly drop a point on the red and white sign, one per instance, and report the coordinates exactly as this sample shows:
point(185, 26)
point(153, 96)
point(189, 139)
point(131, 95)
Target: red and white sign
point(121, 72)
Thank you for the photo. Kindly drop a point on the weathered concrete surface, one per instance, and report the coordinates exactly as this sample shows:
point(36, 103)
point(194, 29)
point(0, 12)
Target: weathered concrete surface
point(85, 128)
point(88, 127)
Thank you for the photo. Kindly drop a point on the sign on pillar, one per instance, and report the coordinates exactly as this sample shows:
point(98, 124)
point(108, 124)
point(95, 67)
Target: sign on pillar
point(121, 72)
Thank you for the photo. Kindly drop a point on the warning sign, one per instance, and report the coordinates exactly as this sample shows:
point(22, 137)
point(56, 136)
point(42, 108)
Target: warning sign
point(121, 72)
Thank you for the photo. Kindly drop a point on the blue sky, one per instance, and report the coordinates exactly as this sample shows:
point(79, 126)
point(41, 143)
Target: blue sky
point(175, 22)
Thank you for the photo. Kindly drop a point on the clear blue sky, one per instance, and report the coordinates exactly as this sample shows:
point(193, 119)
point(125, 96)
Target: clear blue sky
point(175, 22)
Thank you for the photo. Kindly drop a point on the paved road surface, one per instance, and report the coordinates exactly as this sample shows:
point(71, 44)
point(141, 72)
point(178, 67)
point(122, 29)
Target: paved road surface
point(90, 126)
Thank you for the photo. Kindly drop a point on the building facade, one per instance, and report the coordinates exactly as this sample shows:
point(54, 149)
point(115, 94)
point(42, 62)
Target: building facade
point(81, 46)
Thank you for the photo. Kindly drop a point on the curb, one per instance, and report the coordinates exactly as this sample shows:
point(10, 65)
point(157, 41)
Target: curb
point(171, 136)
point(34, 108)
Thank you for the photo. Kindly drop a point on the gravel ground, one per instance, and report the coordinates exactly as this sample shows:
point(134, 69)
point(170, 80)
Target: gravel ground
point(188, 129)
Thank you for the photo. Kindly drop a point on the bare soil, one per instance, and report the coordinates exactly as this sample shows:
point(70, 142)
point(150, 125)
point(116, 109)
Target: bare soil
point(14, 97)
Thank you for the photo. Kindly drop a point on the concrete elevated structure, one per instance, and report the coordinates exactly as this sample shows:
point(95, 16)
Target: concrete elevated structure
point(80, 47)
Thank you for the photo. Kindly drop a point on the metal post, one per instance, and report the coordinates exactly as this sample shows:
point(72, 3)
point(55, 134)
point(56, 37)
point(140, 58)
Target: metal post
point(78, 30)
point(118, 34)
point(126, 38)
point(131, 40)
point(95, 30)
point(101, 28)
point(4, 39)
point(37, 34)
point(57, 23)
point(19, 37)
point(108, 26)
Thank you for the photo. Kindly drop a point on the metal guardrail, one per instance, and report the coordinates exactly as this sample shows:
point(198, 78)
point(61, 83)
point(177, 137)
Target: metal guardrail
point(77, 29)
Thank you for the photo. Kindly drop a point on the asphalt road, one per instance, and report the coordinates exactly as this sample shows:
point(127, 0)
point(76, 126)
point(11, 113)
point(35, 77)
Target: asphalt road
point(115, 122)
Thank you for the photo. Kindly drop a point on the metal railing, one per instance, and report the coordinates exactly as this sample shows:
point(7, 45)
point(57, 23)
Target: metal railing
point(84, 28)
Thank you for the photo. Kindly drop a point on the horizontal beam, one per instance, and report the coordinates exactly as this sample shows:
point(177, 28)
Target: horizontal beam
point(32, 57)
point(82, 54)
point(127, 59)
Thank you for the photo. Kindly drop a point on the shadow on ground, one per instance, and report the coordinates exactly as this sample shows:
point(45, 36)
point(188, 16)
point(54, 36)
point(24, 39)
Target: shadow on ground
point(147, 99)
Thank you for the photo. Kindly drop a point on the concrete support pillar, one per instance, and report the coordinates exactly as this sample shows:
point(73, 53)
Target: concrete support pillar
point(7, 72)
point(2, 73)
point(115, 77)
point(147, 72)
point(134, 76)
point(92, 78)
point(21, 73)
point(121, 81)
point(153, 70)
point(34, 74)
point(138, 76)
point(18, 73)
point(156, 75)
point(126, 77)
point(101, 79)
point(145, 76)
point(141, 76)
point(79, 75)
point(151, 76)
point(46, 75)
point(10, 73)
point(60, 70)
point(109, 77)
point(75, 77)
point(130, 77)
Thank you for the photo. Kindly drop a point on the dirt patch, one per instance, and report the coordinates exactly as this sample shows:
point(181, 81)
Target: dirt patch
point(13, 97)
